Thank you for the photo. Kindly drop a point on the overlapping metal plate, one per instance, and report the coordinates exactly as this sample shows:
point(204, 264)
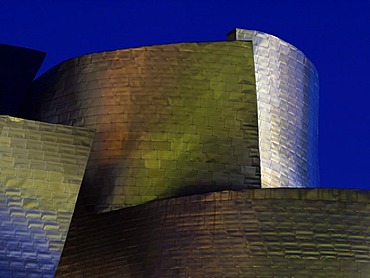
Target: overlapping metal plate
point(287, 99)
point(41, 169)
point(274, 232)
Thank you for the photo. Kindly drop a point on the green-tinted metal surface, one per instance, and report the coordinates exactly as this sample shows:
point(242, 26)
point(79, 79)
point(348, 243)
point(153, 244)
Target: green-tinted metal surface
point(41, 169)
point(171, 120)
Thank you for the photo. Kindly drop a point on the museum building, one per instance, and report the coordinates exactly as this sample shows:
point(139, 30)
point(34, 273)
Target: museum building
point(175, 160)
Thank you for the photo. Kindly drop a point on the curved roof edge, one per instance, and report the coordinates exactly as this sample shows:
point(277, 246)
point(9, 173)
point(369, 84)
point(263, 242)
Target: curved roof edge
point(240, 34)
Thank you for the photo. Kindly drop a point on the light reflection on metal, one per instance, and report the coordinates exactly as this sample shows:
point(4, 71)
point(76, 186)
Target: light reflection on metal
point(273, 232)
point(182, 118)
point(41, 169)
point(287, 87)
point(171, 119)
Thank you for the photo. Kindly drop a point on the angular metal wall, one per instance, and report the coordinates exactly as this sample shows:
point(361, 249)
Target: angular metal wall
point(251, 233)
point(287, 98)
point(41, 169)
point(171, 120)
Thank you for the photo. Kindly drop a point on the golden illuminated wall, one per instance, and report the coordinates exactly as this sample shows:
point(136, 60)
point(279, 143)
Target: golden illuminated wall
point(170, 119)
point(251, 233)
point(41, 169)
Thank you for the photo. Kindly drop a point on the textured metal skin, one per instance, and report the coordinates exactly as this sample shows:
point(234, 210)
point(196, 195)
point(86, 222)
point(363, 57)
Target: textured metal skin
point(171, 120)
point(287, 98)
point(41, 169)
point(251, 233)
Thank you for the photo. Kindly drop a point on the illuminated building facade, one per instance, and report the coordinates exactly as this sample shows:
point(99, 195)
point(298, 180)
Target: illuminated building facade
point(201, 164)
point(273, 232)
point(178, 119)
point(287, 87)
point(41, 168)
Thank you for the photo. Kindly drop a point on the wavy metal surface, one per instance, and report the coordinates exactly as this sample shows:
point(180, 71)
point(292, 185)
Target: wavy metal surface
point(171, 120)
point(279, 232)
point(287, 99)
point(41, 169)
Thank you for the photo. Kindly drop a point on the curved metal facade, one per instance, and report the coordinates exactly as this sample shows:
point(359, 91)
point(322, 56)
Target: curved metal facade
point(251, 233)
point(171, 120)
point(178, 119)
point(174, 120)
point(287, 87)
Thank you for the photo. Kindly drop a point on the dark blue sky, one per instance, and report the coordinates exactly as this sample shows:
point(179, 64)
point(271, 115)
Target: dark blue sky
point(335, 35)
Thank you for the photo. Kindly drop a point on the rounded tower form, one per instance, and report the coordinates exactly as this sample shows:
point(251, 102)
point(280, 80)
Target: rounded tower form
point(187, 118)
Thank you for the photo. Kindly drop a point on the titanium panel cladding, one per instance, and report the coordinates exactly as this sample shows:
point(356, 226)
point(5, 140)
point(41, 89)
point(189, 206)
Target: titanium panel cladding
point(41, 170)
point(171, 120)
point(279, 232)
point(287, 98)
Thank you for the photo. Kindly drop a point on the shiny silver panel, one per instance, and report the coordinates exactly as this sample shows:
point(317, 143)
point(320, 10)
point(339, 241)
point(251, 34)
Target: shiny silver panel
point(287, 99)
